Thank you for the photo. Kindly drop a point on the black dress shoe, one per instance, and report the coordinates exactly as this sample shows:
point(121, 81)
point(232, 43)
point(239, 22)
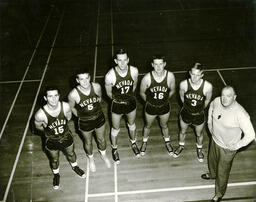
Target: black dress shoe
point(206, 176)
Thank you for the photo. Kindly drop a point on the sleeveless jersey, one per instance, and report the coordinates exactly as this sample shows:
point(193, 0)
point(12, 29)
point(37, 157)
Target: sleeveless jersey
point(158, 92)
point(194, 99)
point(57, 127)
point(89, 106)
point(123, 88)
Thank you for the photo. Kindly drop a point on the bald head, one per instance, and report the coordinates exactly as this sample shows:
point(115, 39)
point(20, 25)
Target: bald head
point(228, 96)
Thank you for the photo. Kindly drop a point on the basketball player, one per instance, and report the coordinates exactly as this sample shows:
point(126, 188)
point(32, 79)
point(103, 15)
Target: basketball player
point(156, 89)
point(195, 94)
point(84, 101)
point(120, 84)
point(53, 119)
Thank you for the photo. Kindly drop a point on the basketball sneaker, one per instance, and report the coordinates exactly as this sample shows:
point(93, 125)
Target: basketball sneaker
point(79, 172)
point(178, 151)
point(169, 148)
point(115, 156)
point(143, 148)
point(92, 164)
point(106, 160)
point(135, 149)
point(56, 181)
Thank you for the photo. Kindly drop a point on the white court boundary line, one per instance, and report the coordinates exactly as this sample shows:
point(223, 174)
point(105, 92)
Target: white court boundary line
point(182, 9)
point(86, 193)
point(170, 189)
point(25, 74)
point(31, 113)
point(175, 72)
point(112, 53)
point(205, 70)
point(94, 76)
point(96, 43)
point(18, 81)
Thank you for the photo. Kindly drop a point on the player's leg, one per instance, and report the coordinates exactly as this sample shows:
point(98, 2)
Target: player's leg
point(132, 131)
point(88, 147)
point(116, 118)
point(165, 130)
point(149, 119)
point(71, 156)
point(199, 144)
point(54, 163)
point(101, 142)
point(182, 136)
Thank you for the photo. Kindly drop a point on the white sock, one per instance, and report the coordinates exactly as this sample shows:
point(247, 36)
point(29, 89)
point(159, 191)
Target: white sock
point(133, 141)
point(56, 171)
point(73, 164)
point(145, 139)
point(102, 152)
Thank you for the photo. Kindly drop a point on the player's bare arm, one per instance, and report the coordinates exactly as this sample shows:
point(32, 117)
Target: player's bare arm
point(183, 88)
point(134, 74)
point(67, 111)
point(171, 83)
point(145, 83)
point(208, 93)
point(97, 89)
point(109, 82)
point(40, 120)
point(73, 98)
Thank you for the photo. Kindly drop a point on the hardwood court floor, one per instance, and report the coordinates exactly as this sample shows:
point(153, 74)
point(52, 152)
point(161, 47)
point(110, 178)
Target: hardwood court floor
point(44, 42)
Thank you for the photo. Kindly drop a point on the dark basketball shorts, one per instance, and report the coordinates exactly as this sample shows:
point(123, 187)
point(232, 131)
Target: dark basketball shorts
point(59, 144)
point(89, 125)
point(194, 119)
point(123, 107)
point(157, 110)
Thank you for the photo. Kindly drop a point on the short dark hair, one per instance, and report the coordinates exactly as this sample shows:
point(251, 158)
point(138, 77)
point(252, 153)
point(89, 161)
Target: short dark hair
point(82, 71)
point(159, 57)
point(120, 52)
point(198, 66)
point(50, 88)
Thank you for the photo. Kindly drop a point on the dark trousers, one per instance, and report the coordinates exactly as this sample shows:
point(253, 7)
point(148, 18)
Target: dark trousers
point(219, 162)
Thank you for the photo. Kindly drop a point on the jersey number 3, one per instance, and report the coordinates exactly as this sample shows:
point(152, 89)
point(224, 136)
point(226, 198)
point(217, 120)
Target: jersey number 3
point(193, 103)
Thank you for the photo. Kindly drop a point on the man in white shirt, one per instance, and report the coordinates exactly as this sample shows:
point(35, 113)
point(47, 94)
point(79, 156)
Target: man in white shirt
point(227, 120)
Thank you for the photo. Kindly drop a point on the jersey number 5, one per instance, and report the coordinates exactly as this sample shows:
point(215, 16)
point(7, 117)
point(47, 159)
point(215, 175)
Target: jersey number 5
point(90, 107)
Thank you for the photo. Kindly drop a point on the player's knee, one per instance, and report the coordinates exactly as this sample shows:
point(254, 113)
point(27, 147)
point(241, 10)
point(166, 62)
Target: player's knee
point(132, 127)
point(55, 161)
point(163, 125)
point(114, 132)
point(101, 140)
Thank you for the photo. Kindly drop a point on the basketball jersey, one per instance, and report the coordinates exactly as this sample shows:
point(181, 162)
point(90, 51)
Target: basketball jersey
point(57, 127)
point(123, 88)
point(89, 106)
point(158, 92)
point(194, 99)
